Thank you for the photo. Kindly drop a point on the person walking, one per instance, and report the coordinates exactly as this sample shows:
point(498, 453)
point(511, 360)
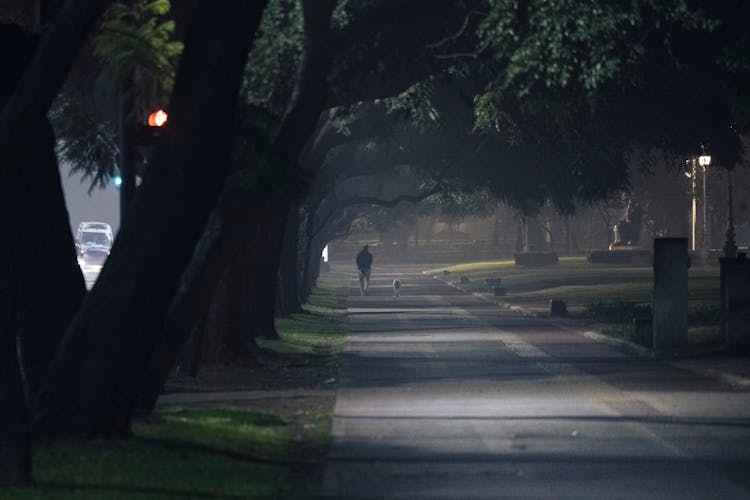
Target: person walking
point(364, 264)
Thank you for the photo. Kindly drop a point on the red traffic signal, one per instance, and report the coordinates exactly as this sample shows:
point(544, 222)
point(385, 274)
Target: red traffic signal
point(157, 118)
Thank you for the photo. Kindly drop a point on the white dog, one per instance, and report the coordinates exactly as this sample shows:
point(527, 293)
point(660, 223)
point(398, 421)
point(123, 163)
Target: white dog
point(396, 287)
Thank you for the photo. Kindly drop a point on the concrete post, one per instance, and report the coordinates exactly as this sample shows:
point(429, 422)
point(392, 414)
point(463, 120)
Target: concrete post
point(670, 293)
point(735, 302)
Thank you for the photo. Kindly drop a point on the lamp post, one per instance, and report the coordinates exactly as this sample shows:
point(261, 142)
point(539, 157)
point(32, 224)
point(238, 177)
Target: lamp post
point(693, 175)
point(704, 161)
point(730, 246)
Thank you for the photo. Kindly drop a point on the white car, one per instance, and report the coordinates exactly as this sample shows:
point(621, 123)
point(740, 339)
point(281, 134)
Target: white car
point(93, 233)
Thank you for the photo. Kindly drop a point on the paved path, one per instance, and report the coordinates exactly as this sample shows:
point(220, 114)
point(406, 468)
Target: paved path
point(445, 396)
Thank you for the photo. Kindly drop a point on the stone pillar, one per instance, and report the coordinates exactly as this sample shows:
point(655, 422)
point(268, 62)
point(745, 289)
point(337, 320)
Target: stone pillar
point(670, 293)
point(735, 302)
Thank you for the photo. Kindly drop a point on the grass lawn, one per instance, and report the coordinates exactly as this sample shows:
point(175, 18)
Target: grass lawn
point(210, 450)
point(324, 328)
point(583, 285)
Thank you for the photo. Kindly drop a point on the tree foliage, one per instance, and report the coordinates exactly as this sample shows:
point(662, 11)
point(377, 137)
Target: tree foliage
point(134, 48)
point(276, 53)
point(136, 41)
point(670, 73)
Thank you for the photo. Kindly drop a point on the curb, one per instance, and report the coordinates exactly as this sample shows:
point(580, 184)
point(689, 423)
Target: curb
point(729, 379)
point(208, 397)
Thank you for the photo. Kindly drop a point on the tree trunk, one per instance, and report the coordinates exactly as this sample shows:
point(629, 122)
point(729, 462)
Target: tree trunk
point(37, 250)
point(317, 248)
point(15, 452)
point(312, 269)
point(43, 252)
point(47, 70)
point(298, 124)
point(214, 290)
point(94, 382)
point(289, 284)
point(306, 236)
point(262, 283)
point(204, 287)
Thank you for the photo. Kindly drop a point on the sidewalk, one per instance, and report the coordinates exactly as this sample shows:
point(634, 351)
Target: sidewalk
point(732, 370)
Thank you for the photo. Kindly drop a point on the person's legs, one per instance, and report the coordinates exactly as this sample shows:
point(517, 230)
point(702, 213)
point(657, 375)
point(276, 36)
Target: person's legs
point(362, 287)
point(364, 281)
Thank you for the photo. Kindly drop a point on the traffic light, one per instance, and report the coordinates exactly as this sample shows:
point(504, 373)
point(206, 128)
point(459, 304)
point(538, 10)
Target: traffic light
point(147, 133)
point(157, 118)
point(145, 138)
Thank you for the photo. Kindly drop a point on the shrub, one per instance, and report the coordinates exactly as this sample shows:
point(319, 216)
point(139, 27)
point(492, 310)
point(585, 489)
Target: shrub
point(617, 312)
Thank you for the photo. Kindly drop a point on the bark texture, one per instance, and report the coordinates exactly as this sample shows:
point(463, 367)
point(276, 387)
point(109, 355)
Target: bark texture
point(47, 70)
point(41, 285)
point(95, 379)
point(288, 301)
point(49, 284)
point(15, 453)
point(297, 126)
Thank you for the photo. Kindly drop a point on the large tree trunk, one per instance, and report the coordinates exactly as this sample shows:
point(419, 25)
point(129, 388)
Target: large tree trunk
point(94, 381)
point(262, 281)
point(307, 280)
point(308, 277)
point(214, 291)
point(289, 269)
point(316, 250)
point(296, 127)
point(46, 72)
point(15, 453)
point(43, 252)
point(203, 284)
point(37, 251)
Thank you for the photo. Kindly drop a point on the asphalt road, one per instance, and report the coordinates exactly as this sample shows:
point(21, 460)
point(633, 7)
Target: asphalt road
point(90, 274)
point(445, 396)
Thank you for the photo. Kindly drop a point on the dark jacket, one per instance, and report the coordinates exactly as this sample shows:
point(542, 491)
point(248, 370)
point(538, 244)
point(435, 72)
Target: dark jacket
point(364, 259)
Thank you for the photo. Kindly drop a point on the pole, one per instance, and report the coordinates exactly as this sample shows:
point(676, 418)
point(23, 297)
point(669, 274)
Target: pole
point(704, 223)
point(127, 170)
point(730, 247)
point(694, 207)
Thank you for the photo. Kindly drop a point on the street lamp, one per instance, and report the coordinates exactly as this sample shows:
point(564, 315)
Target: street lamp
point(693, 174)
point(703, 161)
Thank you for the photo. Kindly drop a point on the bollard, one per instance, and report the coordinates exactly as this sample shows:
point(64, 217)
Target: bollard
point(493, 281)
point(643, 330)
point(670, 294)
point(558, 308)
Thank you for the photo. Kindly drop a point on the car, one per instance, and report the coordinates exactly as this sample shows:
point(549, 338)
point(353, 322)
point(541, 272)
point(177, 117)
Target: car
point(93, 233)
point(94, 255)
point(99, 233)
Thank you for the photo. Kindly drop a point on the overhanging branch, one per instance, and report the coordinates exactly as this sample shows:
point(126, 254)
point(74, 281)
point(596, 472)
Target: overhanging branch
point(374, 200)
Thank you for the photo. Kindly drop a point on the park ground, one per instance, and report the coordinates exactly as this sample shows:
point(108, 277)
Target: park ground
point(247, 432)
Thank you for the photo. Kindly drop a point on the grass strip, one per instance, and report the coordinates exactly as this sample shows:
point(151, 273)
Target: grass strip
point(610, 294)
point(207, 451)
point(323, 328)
point(576, 281)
